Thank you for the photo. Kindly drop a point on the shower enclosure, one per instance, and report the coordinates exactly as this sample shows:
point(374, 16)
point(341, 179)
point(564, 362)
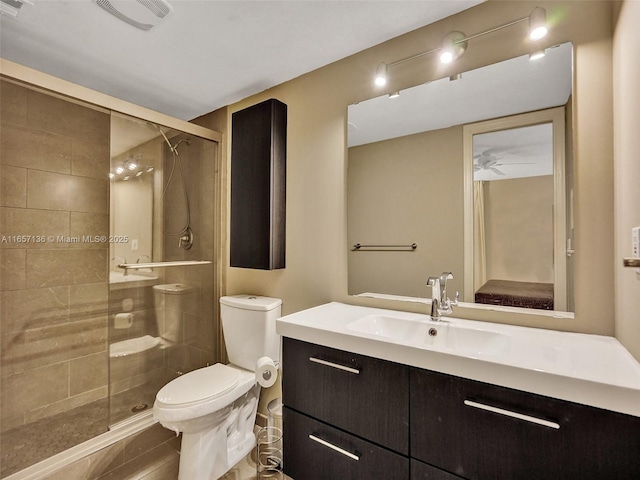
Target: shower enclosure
point(94, 206)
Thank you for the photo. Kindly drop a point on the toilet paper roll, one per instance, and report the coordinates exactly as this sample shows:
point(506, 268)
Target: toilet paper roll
point(266, 372)
point(123, 320)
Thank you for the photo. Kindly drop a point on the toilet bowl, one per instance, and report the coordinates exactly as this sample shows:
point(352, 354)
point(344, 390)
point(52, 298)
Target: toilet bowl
point(215, 407)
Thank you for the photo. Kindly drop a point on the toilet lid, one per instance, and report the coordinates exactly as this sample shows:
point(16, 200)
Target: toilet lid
point(199, 385)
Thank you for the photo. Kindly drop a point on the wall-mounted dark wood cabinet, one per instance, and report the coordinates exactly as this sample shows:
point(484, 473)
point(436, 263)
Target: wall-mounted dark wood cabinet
point(258, 186)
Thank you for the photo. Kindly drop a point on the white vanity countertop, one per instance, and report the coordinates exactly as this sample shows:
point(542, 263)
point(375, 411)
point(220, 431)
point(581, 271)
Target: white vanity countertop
point(588, 369)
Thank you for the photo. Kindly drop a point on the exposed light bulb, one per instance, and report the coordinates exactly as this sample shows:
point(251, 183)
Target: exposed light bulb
point(132, 166)
point(119, 170)
point(381, 75)
point(452, 47)
point(446, 57)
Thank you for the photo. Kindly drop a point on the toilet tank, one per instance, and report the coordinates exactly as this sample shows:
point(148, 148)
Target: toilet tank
point(249, 326)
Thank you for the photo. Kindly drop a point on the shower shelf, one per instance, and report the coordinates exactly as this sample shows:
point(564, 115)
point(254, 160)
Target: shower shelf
point(184, 263)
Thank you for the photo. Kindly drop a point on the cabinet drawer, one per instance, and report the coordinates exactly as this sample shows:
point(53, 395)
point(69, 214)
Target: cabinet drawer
point(365, 396)
point(481, 431)
point(316, 451)
point(422, 471)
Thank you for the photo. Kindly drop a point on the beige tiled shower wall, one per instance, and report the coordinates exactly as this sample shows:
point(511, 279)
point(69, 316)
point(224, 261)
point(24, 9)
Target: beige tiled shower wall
point(54, 187)
point(200, 320)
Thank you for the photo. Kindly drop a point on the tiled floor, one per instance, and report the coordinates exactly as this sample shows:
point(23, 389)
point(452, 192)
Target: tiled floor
point(29, 444)
point(143, 395)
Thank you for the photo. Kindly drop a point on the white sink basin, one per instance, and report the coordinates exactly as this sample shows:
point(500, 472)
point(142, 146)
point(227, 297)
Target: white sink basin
point(471, 342)
point(384, 326)
point(459, 340)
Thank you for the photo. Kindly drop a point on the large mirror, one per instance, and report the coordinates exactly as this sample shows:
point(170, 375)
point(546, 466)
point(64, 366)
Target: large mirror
point(421, 165)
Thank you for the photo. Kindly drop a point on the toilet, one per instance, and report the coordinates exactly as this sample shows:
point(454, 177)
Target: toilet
point(215, 407)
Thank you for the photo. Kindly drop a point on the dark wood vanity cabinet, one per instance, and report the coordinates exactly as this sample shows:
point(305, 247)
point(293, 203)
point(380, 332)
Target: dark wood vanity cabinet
point(403, 422)
point(346, 416)
point(258, 186)
point(364, 396)
point(315, 450)
point(482, 431)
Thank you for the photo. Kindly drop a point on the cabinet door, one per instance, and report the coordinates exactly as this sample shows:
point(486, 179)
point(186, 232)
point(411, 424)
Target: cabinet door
point(258, 186)
point(362, 395)
point(316, 451)
point(422, 471)
point(482, 431)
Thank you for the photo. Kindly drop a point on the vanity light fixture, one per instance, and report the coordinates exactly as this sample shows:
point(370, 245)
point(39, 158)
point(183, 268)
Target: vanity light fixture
point(129, 168)
point(538, 23)
point(381, 75)
point(454, 44)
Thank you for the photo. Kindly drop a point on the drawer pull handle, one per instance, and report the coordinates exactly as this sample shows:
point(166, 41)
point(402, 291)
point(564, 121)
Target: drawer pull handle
point(538, 421)
point(355, 371)
point(333, 447)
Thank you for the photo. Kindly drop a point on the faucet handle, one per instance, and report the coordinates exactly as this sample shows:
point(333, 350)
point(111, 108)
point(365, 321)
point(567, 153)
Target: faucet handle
point(455, 300)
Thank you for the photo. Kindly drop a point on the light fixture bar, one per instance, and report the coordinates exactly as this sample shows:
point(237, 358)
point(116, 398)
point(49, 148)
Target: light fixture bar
point(536, 18)
point(494, 29)
point(462, 40)
point(413, 57)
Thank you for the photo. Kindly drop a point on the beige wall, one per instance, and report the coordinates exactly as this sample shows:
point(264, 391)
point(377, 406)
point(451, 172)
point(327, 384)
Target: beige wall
point(316, 161)
point(402, 191)
point(627, 171)
point(519, 229)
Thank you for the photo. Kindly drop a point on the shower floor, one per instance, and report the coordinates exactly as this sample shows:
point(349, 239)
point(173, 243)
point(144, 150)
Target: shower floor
point(29, 444)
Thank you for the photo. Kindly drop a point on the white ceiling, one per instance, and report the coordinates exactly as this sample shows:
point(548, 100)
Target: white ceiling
point(205, 54)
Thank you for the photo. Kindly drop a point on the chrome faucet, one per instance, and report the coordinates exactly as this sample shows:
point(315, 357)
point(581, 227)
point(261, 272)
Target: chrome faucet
point(440, 303)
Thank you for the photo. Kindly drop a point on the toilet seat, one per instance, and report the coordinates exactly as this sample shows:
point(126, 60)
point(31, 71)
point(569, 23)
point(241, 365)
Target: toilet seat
point(201, 392)
point(199, 386)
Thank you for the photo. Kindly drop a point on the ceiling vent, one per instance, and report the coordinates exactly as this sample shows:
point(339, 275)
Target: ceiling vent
point(12, 7)
point(142, 14)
